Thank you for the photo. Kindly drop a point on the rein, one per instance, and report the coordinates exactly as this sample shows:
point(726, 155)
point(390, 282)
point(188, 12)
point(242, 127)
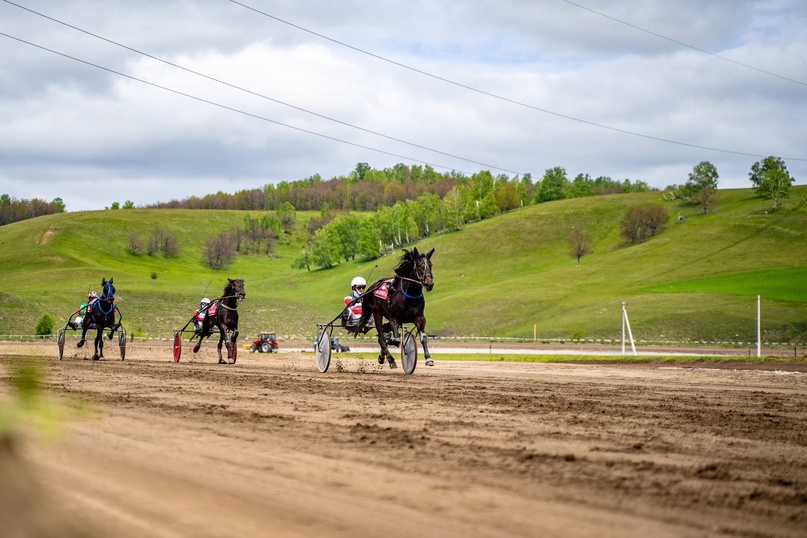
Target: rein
point(221, 302)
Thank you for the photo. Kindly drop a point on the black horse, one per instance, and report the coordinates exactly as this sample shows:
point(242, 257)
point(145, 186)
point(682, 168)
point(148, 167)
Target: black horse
point(404, 303)
point(222, 315)
point(101, 314)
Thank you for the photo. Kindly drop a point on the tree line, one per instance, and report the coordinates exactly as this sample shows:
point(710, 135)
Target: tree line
point(367, 189)
point(14, 210)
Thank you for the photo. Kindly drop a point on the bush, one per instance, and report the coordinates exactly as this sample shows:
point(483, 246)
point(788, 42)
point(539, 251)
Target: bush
point(44, 327)
point(642, 222)
point(219, 251)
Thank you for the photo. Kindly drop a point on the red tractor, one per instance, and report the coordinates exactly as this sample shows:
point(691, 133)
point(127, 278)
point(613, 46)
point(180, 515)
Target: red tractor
point(266, 343)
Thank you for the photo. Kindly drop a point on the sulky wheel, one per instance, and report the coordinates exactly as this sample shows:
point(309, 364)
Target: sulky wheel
point(409, 352)
point(177, 345)
point(122, 343)
point(60, 342)
point(322, 349)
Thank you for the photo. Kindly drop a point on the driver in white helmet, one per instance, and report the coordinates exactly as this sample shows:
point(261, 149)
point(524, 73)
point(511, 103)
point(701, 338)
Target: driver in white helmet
point(82, 311)
point(353, 311)
point(200, 313)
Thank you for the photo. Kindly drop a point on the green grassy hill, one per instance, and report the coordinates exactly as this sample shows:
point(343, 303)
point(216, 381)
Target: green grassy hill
point(507, 276)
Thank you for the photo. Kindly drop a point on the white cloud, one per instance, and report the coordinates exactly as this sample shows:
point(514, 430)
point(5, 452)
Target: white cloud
point(92, 137)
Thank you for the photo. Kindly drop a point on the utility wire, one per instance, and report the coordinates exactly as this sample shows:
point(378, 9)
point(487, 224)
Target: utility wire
point(499, 97)
point(645, 30)
point(225, 107)
point(259, 94)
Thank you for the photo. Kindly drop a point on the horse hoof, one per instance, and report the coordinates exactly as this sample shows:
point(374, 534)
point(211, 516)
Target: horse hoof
point(429, 362)
point(80, 343)
point(392, 364)
point(109, 336)
point(230, 361)
point(381, 359)
point(222, 361)
point(97, 358)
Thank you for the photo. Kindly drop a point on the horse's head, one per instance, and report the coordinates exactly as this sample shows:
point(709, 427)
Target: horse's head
point(423, 269)
point(236, 288)
point(108, 290)
point(418, 267)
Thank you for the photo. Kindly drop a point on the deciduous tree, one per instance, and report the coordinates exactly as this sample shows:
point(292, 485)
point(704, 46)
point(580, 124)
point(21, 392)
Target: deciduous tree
point(580, 242)
point(771, 179)
point(701, 187)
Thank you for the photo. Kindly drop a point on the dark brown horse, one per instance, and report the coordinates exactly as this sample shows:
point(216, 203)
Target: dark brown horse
point(404, 303)
point(101, 314)
point(222, 315)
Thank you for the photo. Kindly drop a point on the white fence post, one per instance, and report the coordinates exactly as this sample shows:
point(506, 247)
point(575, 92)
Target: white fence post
point(626, 323)
point(759, 328)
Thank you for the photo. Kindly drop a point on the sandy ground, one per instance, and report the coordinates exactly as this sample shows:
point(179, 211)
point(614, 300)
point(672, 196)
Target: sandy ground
point(271, 447)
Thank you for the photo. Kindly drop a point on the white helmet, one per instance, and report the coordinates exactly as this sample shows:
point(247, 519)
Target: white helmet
point(204, 301)
point(92, 295)
point(358, 281)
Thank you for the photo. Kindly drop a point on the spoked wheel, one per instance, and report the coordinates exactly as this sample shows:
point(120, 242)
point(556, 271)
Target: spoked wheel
point(177, 345)
point(322, 348)
point(409, 352)
point(60, 342)
point(122, 343)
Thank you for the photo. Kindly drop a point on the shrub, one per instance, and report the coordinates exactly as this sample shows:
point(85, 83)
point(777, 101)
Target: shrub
point(642, 222)
point(44, 327)
point(219, 251)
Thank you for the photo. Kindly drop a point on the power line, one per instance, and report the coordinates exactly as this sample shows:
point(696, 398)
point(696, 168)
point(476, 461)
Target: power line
point(499, 97)
point(240, 88)
point(225, 107)
point(645, 30)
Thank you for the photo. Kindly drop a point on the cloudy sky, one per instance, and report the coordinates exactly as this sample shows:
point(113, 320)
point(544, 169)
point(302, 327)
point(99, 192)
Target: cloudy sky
point(155, 100)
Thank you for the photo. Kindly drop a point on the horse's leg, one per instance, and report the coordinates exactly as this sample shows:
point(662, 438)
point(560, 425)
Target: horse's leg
point(420, 323)
point(112, 326)
point(199, 343)
point(222, 338)
point(231, 347)
point(201, 334)
point(99, 344)
point(382, 340)
point(84, 329)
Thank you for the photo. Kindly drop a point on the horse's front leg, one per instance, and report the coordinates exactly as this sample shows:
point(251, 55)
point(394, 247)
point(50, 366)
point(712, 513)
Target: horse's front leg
point(420, 323)
point(99, 345)
point(231, 355)
point(84, 329)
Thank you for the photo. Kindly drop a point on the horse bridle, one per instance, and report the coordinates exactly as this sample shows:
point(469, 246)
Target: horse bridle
point(221, 301)
point(419, 279)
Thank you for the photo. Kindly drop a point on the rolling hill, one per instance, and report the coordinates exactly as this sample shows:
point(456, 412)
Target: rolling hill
point(507, 276)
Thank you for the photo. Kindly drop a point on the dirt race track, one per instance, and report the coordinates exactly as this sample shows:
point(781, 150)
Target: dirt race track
point(271, 447)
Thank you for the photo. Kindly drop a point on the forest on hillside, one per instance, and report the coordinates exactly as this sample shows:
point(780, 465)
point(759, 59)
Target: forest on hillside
point(368, 189)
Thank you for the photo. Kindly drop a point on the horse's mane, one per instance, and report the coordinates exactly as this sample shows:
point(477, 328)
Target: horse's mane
point(406, 264)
